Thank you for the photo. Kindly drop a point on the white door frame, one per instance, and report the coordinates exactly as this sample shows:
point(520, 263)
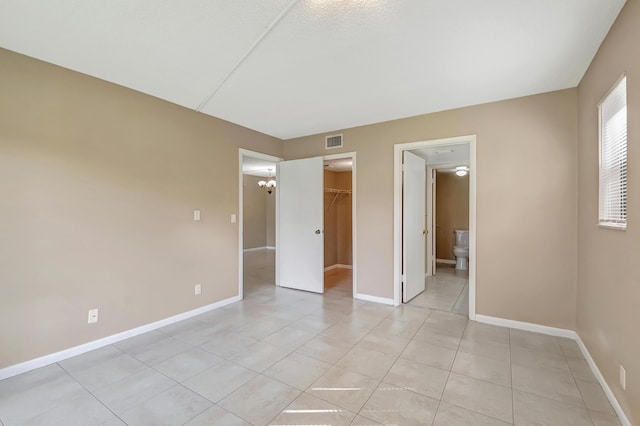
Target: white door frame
point(397, 212)
point(354, 257)
point(253, 154)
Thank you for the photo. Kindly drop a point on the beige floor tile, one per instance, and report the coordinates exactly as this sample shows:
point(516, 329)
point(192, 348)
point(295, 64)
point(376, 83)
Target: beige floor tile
point(309, 410)
point(409, 313)
point(398, 328)
point(483, 368)
point(363, 421)
point(346, 332)
point(133, 390)
point(217, 415)
point(489, 349)
point(259, 400)
point(486, 333)
point(434, 336)
point(539, 360)
point(450, 415)
point(481, 397)
point(228, 344)
point(289, 338)
point(547, 383)
point(391, 345)
point(172, 407)
point(530, 410)
point(220, 380)
point(187, 364)
point(325, 348)
point(570, 348)
point(418, 378)
point(344, 388)
point(581, 370)
point(260, 356)
point(297, 370)
point(594, 397)
point(364, 361)
point(446, 321)
point(427, 354)
point(535, 342)
point(393, 405)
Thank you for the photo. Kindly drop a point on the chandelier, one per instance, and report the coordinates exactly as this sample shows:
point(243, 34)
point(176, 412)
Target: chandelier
point(269, 185)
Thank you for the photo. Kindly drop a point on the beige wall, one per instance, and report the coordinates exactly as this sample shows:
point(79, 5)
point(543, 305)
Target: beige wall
point(609, 261)
point(452, 211)
point(337, 220)
point(258, 214)
point(98, 186)
point(531, 140)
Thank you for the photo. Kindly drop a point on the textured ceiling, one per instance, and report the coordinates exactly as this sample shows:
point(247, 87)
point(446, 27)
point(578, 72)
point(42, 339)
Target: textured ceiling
point(292, 68)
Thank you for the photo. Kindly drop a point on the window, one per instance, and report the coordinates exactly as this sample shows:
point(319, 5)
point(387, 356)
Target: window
point(612, 198)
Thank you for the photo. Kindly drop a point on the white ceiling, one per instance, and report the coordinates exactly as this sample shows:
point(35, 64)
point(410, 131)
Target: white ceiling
point(293, 68)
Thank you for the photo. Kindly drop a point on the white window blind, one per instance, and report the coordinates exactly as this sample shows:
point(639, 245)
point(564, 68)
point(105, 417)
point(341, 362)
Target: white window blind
point(613, 157)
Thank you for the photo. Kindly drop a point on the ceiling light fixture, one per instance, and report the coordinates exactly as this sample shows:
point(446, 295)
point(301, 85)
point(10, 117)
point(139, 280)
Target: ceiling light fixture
point(269, 185)
point(462, 170)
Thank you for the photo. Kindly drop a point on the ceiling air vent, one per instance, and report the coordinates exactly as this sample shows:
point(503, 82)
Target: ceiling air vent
point(333, 141)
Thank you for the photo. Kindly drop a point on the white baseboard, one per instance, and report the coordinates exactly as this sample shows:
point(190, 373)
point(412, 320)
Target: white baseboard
point(569, 334)
point(336, 266)
point(259, 248)
point(23, 367)
point(527, 326)
point(376, 299)
point(605, 387)
point(447, 261)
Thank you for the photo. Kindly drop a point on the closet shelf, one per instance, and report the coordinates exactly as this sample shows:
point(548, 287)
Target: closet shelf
point(338, 192)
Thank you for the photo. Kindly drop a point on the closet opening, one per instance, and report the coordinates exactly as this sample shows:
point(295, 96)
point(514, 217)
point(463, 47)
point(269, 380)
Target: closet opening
point(338, 226)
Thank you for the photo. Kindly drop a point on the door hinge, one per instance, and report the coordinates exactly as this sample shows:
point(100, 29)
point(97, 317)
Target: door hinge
point(403, 278)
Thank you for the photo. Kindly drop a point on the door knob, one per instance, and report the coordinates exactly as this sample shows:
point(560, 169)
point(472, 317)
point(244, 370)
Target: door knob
point(425, 232)
point(317, 231)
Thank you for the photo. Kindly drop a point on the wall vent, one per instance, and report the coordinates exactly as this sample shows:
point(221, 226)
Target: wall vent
point(333, 141)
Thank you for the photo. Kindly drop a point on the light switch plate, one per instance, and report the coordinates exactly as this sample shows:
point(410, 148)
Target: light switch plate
point(198, 289)
point(196, 215)
point(233, 218)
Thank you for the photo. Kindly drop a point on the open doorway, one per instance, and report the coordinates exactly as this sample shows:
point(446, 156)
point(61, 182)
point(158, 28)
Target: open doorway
point(422, 160)
point(338, 226)
point(257, 222)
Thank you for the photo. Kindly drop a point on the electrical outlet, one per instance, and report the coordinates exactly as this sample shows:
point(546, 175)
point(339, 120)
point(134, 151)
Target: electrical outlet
point(198, 289)
point(623, 377)
point(93, 316)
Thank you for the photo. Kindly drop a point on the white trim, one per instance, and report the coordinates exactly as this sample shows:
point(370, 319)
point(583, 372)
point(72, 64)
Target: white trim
point(375, 299)
point(337, 266)
point(240, 218)
point(569, 334)
point(354, 196)
point(397, 212)
point(259, 248)
point(23, 367)
point(605, 387)
point(447, 261)
point(527, 326)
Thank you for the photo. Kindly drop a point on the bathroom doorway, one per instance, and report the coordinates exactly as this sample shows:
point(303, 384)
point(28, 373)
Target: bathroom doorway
point(445, 156)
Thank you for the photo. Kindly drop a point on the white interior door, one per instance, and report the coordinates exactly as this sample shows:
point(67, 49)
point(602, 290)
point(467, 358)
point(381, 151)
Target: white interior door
point(413, 225)
point(300, 242)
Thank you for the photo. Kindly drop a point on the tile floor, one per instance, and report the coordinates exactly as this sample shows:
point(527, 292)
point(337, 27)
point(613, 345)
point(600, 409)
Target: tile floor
point(447, 290)
point(283, 357)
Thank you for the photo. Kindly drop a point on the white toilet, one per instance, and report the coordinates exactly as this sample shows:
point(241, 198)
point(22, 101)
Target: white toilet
point(461, 249)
